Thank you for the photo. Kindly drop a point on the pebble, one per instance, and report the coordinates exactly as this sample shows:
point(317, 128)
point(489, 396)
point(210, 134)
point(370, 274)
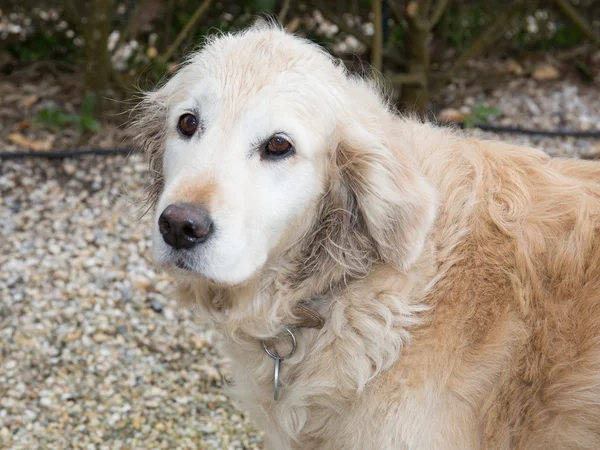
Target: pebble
point(100, 338)
point(157, 306)
point(545, 72)
point(451, 115)
point(592, 151)
point(69, 168)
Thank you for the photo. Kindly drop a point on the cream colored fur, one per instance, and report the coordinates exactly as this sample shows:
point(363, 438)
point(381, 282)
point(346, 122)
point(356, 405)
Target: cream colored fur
point(459, 279)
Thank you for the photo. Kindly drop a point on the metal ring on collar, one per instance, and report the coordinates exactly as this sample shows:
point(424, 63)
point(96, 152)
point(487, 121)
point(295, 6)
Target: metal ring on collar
point(274, 353)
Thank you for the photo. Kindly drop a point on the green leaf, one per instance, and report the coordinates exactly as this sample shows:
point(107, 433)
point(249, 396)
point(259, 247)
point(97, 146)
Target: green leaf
point(481, 114)
point(55, 120)
point(584, 70)
point(65, 119)
point(469, 121)
point(87, 105)
point(90, 124)
point(50, 118)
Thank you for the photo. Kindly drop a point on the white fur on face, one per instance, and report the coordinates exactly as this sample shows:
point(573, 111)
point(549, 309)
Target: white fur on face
point(252, 201)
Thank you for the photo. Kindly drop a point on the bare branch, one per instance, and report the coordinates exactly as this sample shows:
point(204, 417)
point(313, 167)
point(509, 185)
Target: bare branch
point(424, 8)
point(396, 10)
point(418, 39)
point(285, 8)
point(409, 79)
point(438, 11)
point(377, 48)
point(491, 33)
point(416, 13)
point(72, 14)
point(188, 27)
point(97, 65)
point(580, 21)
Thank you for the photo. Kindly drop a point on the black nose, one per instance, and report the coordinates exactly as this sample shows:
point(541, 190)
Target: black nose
point(183, 225)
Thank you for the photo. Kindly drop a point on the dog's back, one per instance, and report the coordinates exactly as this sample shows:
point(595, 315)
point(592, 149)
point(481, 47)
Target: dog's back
point(512, 342)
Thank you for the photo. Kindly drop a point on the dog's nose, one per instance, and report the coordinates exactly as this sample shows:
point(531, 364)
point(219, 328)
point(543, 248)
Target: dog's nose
point(183, 225)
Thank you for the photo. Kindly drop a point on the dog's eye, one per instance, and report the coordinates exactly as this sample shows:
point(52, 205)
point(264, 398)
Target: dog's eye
point(278, 147)
point(188, 124)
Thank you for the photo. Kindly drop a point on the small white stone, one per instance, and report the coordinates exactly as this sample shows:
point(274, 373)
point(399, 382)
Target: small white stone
point(69, 168)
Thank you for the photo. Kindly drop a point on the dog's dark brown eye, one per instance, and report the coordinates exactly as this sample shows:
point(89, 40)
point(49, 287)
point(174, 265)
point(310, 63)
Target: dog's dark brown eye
point(278, 147)
point(188, 124)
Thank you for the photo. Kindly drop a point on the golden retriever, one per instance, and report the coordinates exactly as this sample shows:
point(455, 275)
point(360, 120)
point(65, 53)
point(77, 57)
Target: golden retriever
point(443, 291)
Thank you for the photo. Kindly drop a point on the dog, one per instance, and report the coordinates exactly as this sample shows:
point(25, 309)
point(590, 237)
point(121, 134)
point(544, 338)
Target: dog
point(396, 285)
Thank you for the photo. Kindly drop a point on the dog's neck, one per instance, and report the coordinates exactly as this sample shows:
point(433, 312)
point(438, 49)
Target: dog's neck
point(261, 310)
point(291, 290)
point(285, 292)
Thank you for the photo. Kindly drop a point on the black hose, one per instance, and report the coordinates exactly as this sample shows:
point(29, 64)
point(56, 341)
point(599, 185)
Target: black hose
point(595, 134)
point(67, 153)
point(128, 150)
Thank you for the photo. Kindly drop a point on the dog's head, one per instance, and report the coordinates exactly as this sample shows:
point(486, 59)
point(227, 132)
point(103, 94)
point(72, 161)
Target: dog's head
point(262, 143)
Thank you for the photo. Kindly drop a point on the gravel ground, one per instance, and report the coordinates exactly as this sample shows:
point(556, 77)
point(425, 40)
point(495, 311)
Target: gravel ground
point(554, 105)
point(94, 352)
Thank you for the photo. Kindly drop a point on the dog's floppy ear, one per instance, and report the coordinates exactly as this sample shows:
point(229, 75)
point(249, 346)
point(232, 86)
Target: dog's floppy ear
point(394, 203)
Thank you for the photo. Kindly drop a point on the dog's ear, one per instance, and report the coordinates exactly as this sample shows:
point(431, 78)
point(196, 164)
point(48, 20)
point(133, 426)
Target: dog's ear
point(148, 126)
point(394, 202)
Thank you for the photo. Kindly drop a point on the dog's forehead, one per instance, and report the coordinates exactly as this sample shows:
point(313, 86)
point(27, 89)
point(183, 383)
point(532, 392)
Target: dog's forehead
point(239, 66)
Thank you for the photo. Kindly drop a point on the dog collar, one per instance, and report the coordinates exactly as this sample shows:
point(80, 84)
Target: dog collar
point(278, 359)
point(309, 318)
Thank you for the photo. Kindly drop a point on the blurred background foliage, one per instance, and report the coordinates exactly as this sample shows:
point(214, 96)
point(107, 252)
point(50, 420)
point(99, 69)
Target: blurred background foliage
point(120, 46)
